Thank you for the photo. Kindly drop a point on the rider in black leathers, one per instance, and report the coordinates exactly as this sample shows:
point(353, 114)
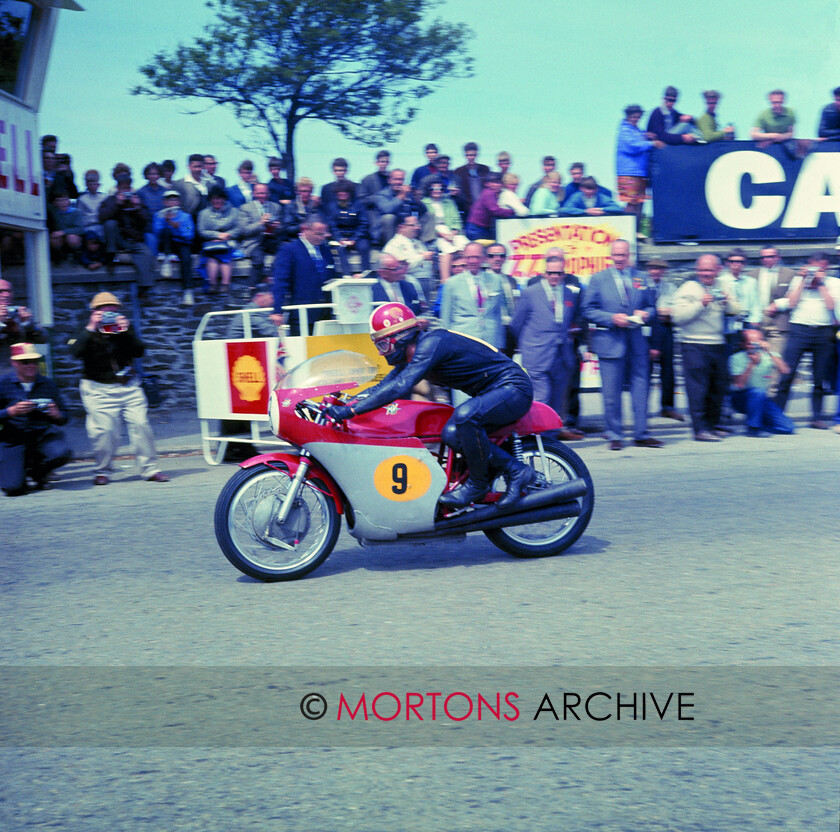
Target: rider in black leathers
point(501, 393)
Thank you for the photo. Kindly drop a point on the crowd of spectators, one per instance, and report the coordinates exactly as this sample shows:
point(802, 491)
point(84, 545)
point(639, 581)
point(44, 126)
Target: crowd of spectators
point(741, 334)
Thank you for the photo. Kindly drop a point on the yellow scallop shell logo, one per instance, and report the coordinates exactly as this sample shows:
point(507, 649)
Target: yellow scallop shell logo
point(402, 478)
point(248, 377)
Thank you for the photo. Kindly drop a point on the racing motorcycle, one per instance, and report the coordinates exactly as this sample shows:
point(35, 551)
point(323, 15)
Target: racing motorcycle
point(279, 516)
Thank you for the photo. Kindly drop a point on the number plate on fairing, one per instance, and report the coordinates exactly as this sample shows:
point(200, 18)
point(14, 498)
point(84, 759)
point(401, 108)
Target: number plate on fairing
point(402, 478)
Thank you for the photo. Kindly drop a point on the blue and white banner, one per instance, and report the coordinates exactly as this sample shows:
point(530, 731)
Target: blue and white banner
point(737, 191)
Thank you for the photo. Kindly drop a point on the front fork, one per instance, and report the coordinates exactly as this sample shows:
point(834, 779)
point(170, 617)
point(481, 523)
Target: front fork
point(294, 487)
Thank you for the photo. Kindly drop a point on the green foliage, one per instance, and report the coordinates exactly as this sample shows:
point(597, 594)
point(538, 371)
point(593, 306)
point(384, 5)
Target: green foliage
point(359, 65)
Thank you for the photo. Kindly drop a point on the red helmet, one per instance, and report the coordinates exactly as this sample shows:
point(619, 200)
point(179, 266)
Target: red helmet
point(388, 325)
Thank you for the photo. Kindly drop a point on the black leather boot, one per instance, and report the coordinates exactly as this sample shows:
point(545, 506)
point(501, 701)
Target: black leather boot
point(471, 491)
point(517, 476)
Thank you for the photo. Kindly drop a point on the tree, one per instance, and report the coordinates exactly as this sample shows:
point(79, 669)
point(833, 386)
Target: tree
point(359, 65)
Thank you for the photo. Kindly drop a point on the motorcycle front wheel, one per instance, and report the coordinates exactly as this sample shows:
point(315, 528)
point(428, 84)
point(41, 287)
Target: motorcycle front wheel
point(255, 543)
point(557, 465)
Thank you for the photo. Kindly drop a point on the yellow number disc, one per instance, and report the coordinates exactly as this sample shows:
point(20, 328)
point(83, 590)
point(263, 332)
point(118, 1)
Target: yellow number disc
point(402, 478)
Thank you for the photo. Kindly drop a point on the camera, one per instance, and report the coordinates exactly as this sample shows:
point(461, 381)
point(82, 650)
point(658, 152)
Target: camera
point(12, 313)
point(754, 349)
point(717, 294)
point(42, 405)
point(108, 323)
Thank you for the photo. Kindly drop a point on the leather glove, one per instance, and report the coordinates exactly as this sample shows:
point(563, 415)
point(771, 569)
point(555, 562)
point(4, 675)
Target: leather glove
point(339, 412)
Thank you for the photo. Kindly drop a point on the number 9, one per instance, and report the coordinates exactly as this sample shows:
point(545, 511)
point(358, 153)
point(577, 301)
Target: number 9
point(400, 476)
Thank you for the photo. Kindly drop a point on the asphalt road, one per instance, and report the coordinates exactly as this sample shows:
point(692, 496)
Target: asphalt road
point(696, 555)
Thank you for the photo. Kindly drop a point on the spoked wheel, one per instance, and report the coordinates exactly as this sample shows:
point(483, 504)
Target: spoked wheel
point(252, 539)
point(557, 465)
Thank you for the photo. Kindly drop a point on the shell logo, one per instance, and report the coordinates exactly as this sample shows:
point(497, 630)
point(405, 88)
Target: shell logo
point(248, 377)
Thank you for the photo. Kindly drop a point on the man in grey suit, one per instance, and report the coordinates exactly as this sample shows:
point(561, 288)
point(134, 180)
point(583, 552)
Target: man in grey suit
point(474, 301)
point(542, 326)
point(618, 303)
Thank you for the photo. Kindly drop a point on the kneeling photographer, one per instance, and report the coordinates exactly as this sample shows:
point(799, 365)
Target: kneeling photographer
point(31, 411)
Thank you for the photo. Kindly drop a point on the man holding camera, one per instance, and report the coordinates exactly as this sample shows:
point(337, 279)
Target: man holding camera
point(31, 411)
point(125, 220)
point(700, 308)
point(16, 323)
point(752, 371)
point(813, 299)
point(107, 345)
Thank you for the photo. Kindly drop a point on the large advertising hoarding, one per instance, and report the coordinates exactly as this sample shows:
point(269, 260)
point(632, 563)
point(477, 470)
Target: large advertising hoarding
point(739, 191)
point(586, 242)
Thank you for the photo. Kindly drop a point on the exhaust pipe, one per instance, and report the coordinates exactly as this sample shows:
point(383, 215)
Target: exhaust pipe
point(498, 521)
point(562, 493)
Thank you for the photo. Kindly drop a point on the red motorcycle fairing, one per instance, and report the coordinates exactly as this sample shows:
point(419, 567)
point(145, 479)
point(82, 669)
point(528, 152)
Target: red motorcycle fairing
point(291, 461)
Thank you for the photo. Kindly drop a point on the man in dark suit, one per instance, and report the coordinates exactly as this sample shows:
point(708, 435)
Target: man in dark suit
point(393, 286)
point(301, 268)
point(618, 303)
point(542, 325)
point(471, 177)
point(662, 338)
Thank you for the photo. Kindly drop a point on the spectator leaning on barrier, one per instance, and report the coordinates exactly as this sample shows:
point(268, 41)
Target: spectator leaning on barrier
point(31, 411)
point(590, 201)
point(107, 346)
point(667, 124)
point(707, 124)
point(813, 298)
point(829, 129)
point(486, 210)
point(699, 309)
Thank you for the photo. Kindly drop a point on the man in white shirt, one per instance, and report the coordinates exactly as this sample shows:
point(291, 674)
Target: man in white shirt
point(813, 299)
point(405, 246)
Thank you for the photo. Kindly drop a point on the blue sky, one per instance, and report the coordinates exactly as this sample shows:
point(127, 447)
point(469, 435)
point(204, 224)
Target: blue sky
point(551, 77)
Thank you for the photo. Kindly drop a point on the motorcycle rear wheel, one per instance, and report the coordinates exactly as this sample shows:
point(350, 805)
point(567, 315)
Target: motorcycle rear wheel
point(540, 540)
point(253, 541)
